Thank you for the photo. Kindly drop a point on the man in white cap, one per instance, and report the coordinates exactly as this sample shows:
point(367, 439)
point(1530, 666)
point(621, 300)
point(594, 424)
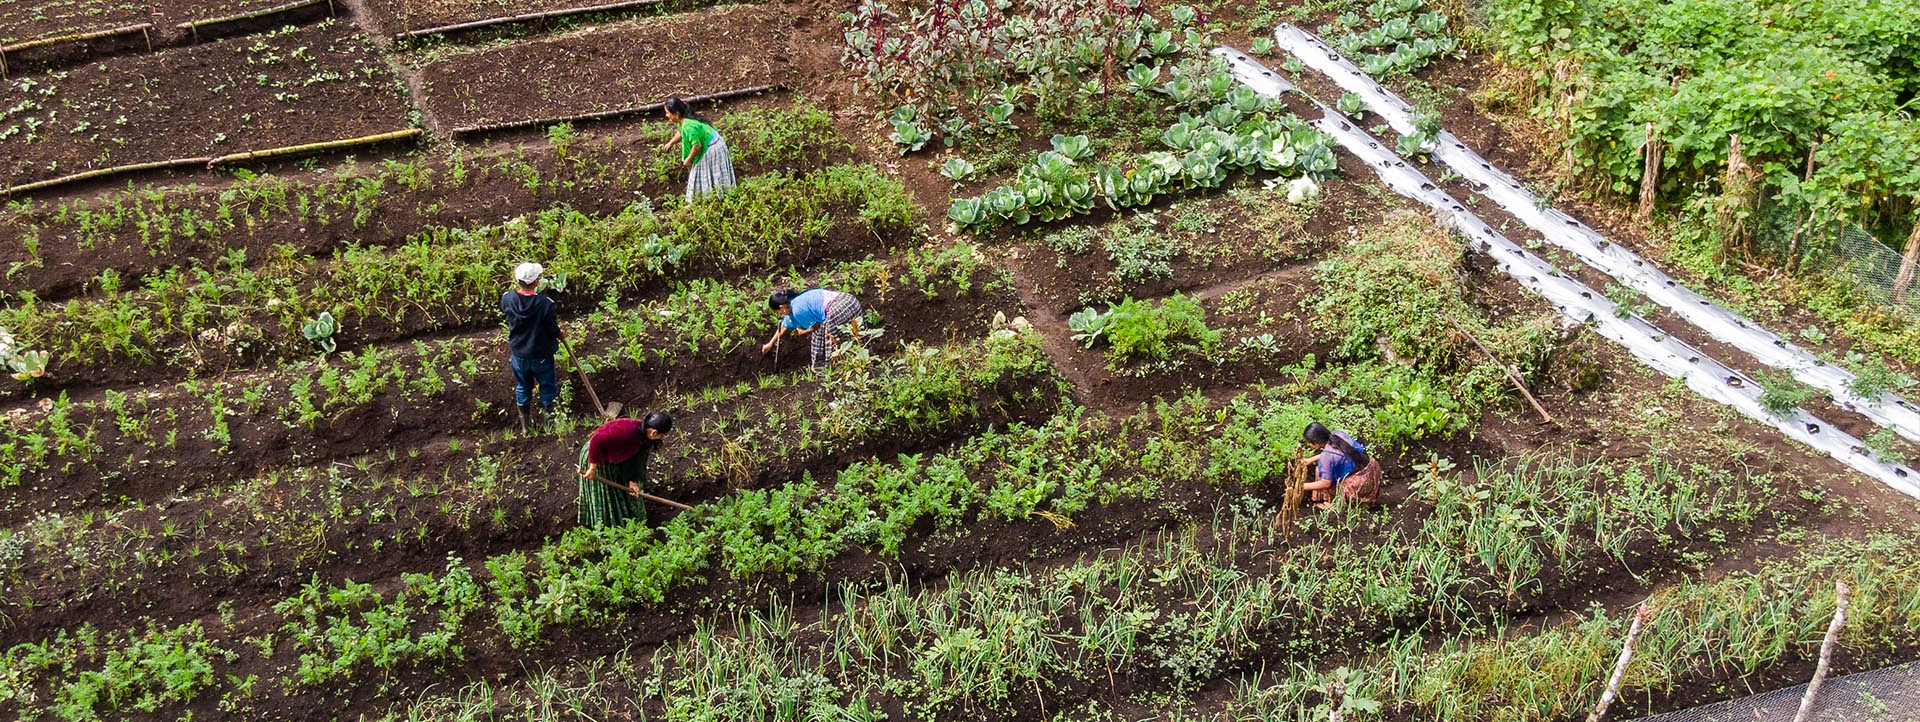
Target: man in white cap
point(533, 334)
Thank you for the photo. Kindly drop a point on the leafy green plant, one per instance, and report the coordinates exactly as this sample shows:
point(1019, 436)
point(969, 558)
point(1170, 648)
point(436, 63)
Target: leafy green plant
point(1781, 393)
point(1140, 329)
point(14, 356)
point(957, 168)
point(1872, 377)
point(1411, 409)
point(320, 330)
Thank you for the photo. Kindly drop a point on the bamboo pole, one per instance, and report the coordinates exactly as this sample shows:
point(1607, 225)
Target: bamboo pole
point(605, 114)
point(213, 161)
point(1840, 592)
point(1620, 667)
point(75, 37)
point(314, 147)
point(524, 17)
point(193, 26)
point(103, 172)
point(142, 28)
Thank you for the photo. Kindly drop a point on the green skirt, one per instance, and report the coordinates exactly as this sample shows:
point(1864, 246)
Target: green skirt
point(602, 505)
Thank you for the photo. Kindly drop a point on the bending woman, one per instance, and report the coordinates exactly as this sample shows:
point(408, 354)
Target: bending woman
point(1343, 466)
point(830, 316)
point(702, 151)
point(613, 467)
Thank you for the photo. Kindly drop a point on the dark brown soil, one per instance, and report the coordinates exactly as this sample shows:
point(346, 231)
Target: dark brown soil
point(397, 16)
point(34, 19)
point(612, 67)
point(267, 91)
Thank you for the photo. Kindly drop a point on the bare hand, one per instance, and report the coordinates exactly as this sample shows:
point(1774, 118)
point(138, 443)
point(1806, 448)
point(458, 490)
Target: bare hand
point(588, 472)
point(633, 489)
point(766, 348)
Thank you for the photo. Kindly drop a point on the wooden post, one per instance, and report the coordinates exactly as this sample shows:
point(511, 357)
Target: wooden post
point(1826, 650)
point(1793, 246)
point(1651, 154)
point(1620, 667)
point(1909, 257)
point(1738, 188)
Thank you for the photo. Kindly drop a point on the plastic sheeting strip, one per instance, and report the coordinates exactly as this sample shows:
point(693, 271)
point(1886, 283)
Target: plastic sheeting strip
point(1625, 266)
point(1653, 347)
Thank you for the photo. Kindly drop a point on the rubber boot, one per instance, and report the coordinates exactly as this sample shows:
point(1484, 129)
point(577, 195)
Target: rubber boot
point(525, 412)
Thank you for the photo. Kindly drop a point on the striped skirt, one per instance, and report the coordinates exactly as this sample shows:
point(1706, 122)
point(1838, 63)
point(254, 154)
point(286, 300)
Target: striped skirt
point(714, 172)
point(842, 312)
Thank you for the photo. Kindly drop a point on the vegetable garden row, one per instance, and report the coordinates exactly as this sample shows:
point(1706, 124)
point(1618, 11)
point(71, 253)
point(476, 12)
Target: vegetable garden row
point(259, 462)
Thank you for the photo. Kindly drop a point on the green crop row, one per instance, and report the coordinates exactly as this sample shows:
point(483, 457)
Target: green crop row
point(1174, 613)
point(312, 394)
point(378, 201)
point(452, 277)
point(1742, 625)
point(1243, 132)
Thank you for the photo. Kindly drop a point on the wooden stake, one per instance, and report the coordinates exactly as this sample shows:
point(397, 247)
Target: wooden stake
point(1793, 246)
point(1652, 154)
point(605, 114)
point(525, 17)
point(1620, 667)
point(1840, 592)
point(1512, 375)
point(1909, 261)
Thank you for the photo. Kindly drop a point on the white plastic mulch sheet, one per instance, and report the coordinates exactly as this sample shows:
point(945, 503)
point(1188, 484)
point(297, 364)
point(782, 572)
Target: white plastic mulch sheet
point(1653, 347)
point(1626, 267)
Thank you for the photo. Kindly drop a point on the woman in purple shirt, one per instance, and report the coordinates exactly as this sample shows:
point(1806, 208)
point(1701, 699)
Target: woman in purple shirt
point(1342, 465)
point(830, 316)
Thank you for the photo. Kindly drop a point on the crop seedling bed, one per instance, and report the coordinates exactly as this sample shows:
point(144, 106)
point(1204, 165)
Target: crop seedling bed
point(35, 19)
point(287, 87)
point(610, 67)
point(400, 16)
point(55, 248)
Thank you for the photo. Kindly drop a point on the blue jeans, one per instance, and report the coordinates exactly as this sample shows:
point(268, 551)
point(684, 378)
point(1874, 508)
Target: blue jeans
point(530, 371)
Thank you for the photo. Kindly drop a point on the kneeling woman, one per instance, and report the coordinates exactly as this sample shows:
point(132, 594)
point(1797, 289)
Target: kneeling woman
point(613, 468)
point(1343, 466)
point(831, 316)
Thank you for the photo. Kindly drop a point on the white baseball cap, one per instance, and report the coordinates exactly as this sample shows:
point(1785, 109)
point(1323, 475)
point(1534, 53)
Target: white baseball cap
point(527, 272)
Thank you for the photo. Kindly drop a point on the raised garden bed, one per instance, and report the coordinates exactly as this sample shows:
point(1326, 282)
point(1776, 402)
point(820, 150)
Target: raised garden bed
point(283, 88)
point(609, 68)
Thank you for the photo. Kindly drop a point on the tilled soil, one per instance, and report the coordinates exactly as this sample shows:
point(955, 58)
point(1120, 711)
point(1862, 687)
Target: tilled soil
point(35, 19)
point(611, 67)
point(288, 87)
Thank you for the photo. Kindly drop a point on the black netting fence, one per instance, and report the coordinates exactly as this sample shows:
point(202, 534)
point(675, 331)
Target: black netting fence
point(1891, 694)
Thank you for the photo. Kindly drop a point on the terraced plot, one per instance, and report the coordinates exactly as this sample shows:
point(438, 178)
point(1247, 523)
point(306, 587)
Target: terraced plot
point(284, 88)
point(617, 66)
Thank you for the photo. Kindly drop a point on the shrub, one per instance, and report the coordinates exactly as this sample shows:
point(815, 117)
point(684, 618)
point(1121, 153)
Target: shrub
point(1780, 393)
point(1140, 329)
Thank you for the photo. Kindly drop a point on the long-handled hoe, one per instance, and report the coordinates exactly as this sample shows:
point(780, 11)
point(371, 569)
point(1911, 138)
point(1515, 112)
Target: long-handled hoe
point(607, 411)
point(644, 495)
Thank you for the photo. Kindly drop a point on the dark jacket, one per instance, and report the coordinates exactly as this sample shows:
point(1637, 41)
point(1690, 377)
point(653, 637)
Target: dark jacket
point(533, 330)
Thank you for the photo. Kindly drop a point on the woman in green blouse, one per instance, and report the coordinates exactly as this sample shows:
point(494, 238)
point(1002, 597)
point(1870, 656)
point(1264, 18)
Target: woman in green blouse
point(613, 468)
point(702, 151)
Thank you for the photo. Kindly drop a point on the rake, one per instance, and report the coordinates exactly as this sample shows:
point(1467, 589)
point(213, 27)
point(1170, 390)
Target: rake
point(607, 411)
